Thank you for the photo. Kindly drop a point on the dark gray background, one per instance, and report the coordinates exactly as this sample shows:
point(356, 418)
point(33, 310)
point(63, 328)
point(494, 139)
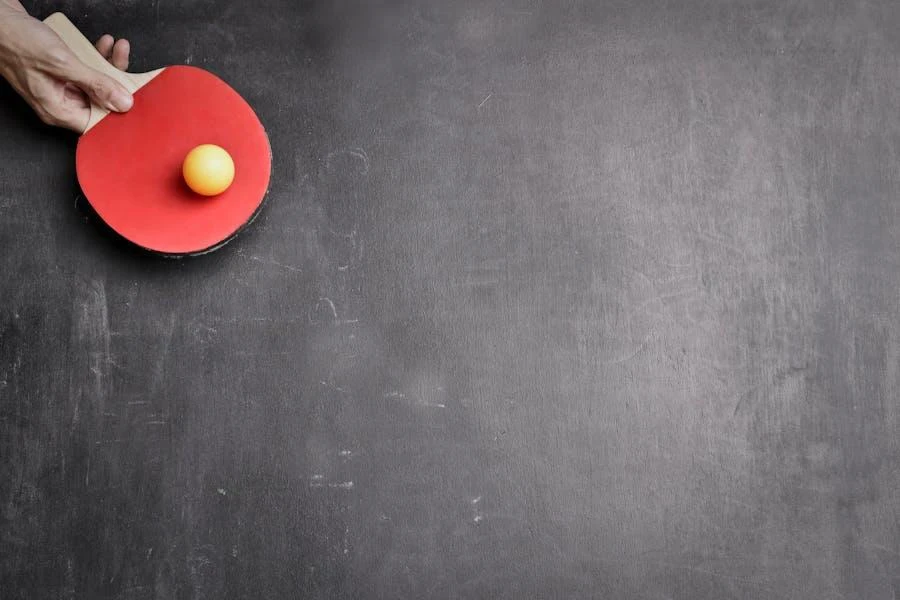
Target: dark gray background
point(560, 299)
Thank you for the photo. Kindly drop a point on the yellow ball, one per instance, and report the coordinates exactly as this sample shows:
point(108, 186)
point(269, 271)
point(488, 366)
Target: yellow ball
point(208, 170)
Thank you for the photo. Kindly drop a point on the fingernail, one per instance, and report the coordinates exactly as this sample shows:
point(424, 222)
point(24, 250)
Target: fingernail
point(120, 101)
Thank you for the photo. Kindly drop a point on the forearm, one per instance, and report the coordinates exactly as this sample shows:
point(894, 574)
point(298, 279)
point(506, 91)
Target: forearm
point(58, 86)
point(12, 4)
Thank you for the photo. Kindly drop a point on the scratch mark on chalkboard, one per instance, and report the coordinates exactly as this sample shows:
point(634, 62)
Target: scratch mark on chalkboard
point(722, 242)
point(745, 396)
point(70, 578)
point(790, 371)
point(742, 530)
point(733, 500)
point(870, 544)
point(716, 574)
point(275, 263)
point(475, 281)
point(737, 444)
point(625, 359)
point(219, 30)
point(488, 97)
point(159, 367)
point(663, 297)
point(90, 339)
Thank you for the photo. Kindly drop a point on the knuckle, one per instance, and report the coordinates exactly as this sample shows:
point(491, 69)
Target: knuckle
point(101, 88)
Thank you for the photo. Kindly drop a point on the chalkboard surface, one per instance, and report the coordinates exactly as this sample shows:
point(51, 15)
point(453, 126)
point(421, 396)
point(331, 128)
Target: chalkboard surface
point(549, 299)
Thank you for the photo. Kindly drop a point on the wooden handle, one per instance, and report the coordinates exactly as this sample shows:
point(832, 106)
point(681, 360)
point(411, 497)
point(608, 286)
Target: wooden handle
point(85, 50)
point(86, 53)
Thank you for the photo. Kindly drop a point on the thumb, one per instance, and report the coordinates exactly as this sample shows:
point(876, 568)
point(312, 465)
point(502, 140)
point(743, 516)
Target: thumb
point(101, 89)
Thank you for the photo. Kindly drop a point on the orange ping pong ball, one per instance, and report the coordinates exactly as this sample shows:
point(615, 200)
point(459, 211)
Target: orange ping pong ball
point(208, 170)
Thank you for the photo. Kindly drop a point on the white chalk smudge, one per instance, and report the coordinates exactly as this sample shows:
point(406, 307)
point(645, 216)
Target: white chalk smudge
point(344, 485)
point(477, 515)
point(326, 302)
point(395, 395)
point(357, 153)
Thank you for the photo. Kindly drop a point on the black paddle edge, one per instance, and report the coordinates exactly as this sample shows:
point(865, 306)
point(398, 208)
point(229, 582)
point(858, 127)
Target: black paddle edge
point(118, 239)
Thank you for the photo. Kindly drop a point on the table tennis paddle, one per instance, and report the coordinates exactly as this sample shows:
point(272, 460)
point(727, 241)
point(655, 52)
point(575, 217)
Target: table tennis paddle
point(129, 164)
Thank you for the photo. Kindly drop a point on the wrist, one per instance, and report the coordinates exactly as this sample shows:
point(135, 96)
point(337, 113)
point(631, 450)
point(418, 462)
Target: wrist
point(10, 14)
point(8, 10)
point(13, 5)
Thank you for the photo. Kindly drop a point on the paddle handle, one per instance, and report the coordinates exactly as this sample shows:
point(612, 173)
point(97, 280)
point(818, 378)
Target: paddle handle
point(87, 53)
point(85, 50)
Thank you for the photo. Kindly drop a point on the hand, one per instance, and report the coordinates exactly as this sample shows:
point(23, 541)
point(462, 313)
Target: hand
point(58, 86)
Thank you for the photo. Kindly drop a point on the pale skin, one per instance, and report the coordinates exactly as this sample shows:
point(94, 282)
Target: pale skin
point(58, 86)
